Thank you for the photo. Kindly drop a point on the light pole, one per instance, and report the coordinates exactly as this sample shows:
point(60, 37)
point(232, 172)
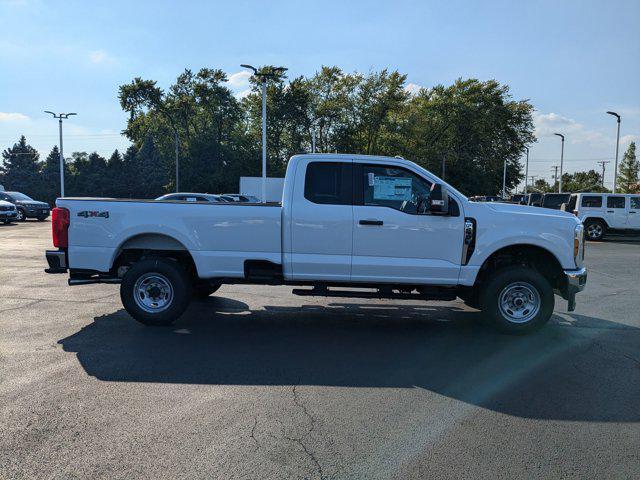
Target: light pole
point(526, 172)
point(264, 75)
point(615, 168)
point(504, 181)
point(561, 161)
point(60, 117)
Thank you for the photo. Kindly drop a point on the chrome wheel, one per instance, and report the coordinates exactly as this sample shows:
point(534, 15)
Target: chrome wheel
point(595, 230)
point(519, 302)
point(20, 216)
point(153, 292)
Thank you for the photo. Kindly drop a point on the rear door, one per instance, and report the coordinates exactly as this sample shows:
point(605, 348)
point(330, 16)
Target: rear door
point(392, 243)
point(633, 220)
point(616, 211)
point(321, 221)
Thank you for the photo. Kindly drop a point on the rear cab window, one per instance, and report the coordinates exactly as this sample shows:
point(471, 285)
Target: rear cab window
point(615, 202)
point(591, 201)
point(635, 203)
point(329, 183)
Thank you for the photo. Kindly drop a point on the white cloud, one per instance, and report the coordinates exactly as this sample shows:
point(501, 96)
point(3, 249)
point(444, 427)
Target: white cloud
point(412, 88)
point(100, 57)
point(239, 79)
point(240, 95)
point(626, 139)
point(13, 117)
point(546, 124)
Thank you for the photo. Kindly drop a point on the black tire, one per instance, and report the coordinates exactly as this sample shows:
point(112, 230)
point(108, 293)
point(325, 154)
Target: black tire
point(7, 222)
point(21, 217)
point(524, 284)
point(203, 291)
point(594, 229)
point(168, 272)
point(42, 219)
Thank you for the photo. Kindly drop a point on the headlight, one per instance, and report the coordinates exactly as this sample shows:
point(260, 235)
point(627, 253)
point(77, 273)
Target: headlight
point(578, 245)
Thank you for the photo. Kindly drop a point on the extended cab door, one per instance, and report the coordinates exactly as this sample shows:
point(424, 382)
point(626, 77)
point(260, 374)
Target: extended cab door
point(392, 243)
point(321, 221)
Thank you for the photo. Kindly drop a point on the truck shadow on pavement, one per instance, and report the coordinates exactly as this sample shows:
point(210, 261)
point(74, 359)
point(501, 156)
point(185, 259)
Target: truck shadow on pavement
point(577, 368)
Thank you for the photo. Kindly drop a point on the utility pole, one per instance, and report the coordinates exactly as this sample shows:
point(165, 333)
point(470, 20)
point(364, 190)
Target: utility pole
point(60, 117)
point(533, 177)
point(603, 163)
point(263, 75)
point(555, 174)
point(526, 171)
point(615, 168)
point(443, 170)
point(561, 161)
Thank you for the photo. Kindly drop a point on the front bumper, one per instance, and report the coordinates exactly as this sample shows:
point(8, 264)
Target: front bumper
point(37, 212)
point(576, 280)
point(8, 215)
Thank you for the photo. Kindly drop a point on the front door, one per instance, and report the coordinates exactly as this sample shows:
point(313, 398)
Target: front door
point(392, 241)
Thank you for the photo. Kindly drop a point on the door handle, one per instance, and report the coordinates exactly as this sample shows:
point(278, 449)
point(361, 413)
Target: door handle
point(371, 222)
point(610, 211)
point(633, 212)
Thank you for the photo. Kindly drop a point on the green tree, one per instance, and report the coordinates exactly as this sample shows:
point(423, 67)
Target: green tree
point(20, 169)
point(50, 174)
point(590, 181)
point(629, 171)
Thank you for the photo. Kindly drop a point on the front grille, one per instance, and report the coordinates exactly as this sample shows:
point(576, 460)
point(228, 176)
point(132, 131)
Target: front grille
point(5, 209)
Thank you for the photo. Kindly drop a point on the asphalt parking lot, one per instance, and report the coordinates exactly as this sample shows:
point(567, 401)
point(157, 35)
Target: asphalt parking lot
point(255, 383)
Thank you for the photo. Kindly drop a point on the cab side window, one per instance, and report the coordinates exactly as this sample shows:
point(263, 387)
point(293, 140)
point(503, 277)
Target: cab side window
point(592, 201)
point(615, 202)
point(329, 183)
point(395, 188)
point(635, 203)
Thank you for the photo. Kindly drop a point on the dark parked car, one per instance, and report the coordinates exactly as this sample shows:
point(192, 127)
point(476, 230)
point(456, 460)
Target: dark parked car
point(535, 199)
point(555, 200)
point(27, 207)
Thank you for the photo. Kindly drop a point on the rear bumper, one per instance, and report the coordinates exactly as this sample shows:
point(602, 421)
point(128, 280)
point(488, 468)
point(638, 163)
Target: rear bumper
point(576, 280)
point(57, 260)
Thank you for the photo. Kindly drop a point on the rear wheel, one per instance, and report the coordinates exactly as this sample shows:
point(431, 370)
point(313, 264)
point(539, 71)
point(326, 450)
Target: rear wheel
point(517, 300)
point(594, 229)
point(156, 291)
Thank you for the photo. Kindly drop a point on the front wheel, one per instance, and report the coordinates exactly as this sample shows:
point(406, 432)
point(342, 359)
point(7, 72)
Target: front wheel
point(156, 291)
point(21, 217)
point(517, 300)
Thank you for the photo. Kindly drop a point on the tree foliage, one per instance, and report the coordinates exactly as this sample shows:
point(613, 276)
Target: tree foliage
point(470, 128)
point(629, 171)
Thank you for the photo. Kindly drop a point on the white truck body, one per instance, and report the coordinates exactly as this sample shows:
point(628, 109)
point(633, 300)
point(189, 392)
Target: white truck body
point(601, 212)
point(357, 242)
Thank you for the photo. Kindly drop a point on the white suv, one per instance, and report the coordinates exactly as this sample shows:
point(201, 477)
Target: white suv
point(603, 212)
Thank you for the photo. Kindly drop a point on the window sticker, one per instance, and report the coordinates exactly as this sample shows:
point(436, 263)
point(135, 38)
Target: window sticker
point(392, 188)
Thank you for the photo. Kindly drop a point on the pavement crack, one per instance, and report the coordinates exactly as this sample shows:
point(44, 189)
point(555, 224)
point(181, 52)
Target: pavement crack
point(310, 454)
point(253, 432)
point(303, 407)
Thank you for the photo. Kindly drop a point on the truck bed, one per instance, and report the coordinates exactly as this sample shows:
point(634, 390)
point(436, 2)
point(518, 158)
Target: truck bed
point(219, 236)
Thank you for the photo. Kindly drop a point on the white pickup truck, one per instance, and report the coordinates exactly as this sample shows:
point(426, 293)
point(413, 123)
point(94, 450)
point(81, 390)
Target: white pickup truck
point(348, 225)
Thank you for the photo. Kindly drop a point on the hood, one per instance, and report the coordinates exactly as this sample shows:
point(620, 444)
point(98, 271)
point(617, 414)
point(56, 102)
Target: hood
point(527, 209)
point(32, 203)
point(4, 203)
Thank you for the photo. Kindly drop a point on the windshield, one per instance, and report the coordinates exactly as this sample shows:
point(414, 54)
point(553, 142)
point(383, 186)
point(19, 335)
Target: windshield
point(19, 196)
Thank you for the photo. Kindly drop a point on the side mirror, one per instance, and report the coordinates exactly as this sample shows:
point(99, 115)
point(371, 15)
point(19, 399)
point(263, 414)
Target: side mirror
point(438, 200)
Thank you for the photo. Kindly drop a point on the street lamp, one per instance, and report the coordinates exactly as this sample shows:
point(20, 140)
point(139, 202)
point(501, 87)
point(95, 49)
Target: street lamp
point(526, 171)
point(615, 168)
point(561, 161)
point(264, 75)
point(60, 117)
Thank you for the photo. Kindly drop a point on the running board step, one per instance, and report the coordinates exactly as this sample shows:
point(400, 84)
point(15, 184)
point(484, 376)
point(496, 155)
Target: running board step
point(432, 294)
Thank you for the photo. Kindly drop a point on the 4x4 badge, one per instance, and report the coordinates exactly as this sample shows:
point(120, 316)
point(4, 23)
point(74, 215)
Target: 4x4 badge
point(90, 214)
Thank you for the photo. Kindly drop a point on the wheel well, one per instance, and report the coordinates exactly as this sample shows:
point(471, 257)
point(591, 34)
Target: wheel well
point(149, 245)
point(597, 219)
point(530, 256)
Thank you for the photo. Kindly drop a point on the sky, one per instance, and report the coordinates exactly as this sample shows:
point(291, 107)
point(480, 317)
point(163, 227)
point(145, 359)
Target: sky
point(573, 60)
